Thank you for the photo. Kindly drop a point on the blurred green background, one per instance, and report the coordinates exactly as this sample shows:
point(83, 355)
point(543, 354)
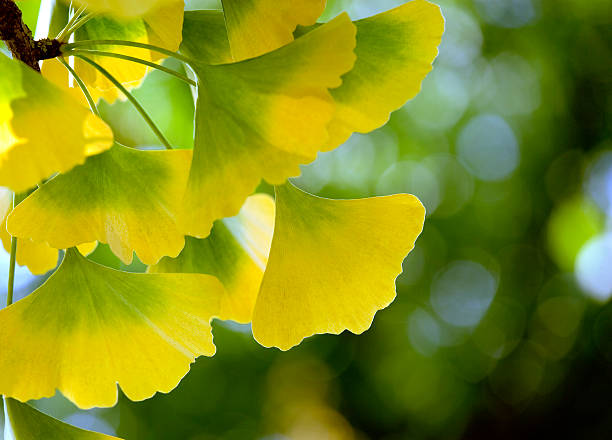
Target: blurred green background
point(502, 327)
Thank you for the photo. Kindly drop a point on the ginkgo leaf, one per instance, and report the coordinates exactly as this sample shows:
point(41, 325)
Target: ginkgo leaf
point(123, 8)
point(332, 264)
point(205, 37)
point(43, 130)
point(160, 27)
point(256, 27)
point(125, 197)
point(22, 422)
point(236, 252)
point(39, 258)
point(89, 328)
point(395, 51)
point(262, 118)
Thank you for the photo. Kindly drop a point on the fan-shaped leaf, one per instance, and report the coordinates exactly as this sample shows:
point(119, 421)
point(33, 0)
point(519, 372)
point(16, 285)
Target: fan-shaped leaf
point(89, 328)
point(125, 197)
point(43, 130)
point(332, 264)
point(262, 118)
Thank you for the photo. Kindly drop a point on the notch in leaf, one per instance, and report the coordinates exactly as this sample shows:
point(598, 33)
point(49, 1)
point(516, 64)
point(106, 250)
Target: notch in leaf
point(125, 197)
point(89, 328)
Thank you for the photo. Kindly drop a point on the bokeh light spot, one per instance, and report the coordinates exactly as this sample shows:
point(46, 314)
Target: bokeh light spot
point(488, 147)
point(462, 293)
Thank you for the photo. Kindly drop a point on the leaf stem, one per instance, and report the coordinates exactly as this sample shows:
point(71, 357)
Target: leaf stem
point(134, 60)
point(131, 98)
point(17, 199)
point(90, 43)
point(82, 86)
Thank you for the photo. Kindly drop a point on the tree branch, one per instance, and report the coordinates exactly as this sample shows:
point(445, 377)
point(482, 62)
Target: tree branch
point(18, 37)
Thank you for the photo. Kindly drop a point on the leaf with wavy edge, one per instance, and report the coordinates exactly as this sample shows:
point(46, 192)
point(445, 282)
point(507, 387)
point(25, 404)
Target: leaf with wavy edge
point(262, 118)
point(125, 197)
point(89, 328)
point(332, 264)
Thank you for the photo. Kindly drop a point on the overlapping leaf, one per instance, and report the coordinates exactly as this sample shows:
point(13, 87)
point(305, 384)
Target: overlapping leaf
point(89, 328)
point(43, 130)
point(261, 118)
point(332, 264)
point(160, 27)
point(22, 422)
point(125, 197)
point(256, 27)
point(236, 252)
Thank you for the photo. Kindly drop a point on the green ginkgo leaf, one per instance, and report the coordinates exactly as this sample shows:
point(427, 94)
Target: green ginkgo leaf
point(236, 252)
point(205, 37)
point(43, 130)
point(395, 51)
point(125, 197)
point(256, 27)
point(89, 328)
point(262, 118)
point(332, 264)
point(22, 422)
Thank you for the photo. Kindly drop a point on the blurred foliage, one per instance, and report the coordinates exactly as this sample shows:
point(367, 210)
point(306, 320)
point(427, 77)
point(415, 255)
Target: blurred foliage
point(502, 327)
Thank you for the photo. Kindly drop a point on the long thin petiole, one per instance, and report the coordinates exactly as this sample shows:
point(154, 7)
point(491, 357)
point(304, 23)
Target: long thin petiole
point(82, 86)
point(72, 20)
point(79, 23)
point(13, 258)
point(131, 98)
point(90, 43)
point(134, 60)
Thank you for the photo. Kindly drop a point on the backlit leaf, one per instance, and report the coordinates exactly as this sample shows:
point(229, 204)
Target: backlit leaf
point(26, 423)
point(205, 37)
point(125, 197)
point(89, 328)
point(262, 118)
point(236, 252)
point(43, 130)
point(160, 27)
point(332, 264)
point(256, 27)
point(395, 51)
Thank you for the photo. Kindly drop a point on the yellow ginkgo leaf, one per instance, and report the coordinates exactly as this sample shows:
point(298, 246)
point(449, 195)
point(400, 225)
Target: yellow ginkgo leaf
point(236, 252)
point(22, 422)
point(125, 197)
point(160, 27)
point(123, 8)
point(89, 328)
point(395, 51)
point(262, 118)
point(332, 264)
point(43, 130)
point(39, 258)
point(256, 27)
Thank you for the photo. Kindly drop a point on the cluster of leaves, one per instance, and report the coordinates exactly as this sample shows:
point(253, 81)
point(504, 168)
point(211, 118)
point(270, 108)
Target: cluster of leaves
point(273, 88)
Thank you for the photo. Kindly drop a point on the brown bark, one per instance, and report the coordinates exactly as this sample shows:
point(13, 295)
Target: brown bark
point(18, 37)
